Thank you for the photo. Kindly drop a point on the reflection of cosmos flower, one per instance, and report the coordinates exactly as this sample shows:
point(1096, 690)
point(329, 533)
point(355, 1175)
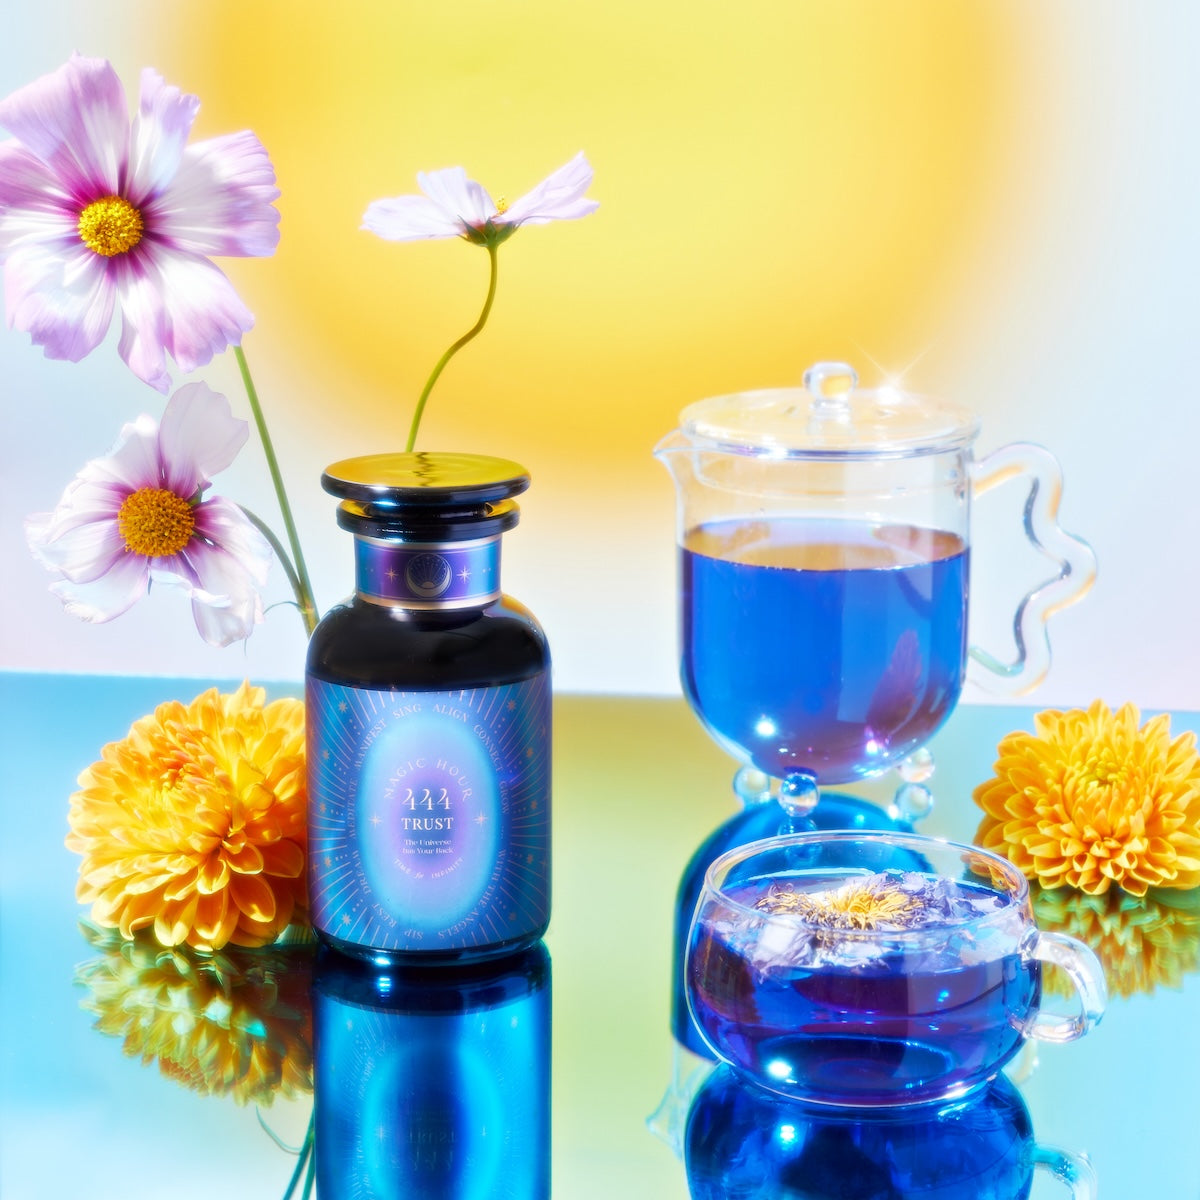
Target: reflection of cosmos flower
point(138, 514)
point(194, 824)
point(100, 213)
point(1091, 800)
point(1141, 942)
point(232, 1024)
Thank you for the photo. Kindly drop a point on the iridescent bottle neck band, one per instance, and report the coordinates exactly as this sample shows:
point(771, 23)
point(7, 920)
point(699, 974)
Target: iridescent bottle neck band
point(427, 575)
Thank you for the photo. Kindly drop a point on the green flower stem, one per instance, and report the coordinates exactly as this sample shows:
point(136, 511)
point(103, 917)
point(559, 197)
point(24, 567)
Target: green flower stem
point(281, 554)
point(456, 347)
point(299, 576)
point(305, 1163)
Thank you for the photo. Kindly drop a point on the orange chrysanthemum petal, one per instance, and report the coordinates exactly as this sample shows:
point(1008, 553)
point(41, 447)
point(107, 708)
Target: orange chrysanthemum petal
point(194, 824)
point(1090, 800)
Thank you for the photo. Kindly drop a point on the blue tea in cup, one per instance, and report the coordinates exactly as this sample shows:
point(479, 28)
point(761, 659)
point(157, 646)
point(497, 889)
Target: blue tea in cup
point(874, 969)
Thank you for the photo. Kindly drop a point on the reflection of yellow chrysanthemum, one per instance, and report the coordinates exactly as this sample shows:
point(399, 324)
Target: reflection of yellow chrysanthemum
point(194, 824)
point(1091, 800)
point(1141, 942)
point(232, 1024)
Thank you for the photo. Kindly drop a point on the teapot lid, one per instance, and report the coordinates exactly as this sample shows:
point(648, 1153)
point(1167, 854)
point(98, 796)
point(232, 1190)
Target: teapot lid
point(830, 415)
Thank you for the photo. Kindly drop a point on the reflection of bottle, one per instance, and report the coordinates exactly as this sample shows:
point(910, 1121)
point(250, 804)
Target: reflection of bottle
point(428, 709)
point(434, 1082)
point(747, 1142)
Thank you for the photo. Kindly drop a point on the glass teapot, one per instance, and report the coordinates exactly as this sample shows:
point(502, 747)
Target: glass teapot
point(824, 538)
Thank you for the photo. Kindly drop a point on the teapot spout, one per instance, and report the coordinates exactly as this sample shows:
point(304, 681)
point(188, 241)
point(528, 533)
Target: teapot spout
point(675, 452)
point(674, 441)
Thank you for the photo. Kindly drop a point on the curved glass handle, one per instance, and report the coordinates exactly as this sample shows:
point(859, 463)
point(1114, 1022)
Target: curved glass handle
point(1075, 1170)
point(1081, 964)
point(1075, 559)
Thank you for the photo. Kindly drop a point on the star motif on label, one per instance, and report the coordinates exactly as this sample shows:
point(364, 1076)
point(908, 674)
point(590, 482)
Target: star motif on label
point(464, 574)
point(325, 755)
point(391, 574)
point(374, 819)
point(343, 707)
point(512, 706)
point(479, 820)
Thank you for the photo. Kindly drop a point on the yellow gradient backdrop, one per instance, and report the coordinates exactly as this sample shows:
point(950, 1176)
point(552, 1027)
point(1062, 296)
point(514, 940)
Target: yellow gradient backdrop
point(779, 181)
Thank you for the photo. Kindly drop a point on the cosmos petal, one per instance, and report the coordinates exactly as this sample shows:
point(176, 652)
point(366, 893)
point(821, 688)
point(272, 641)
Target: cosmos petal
point(177, 304)
point(59, 293)
point(410, 218)
point(157, 137)
point(33, 205)
point(197, 438)
point(221, 200)
point(75, 120)
point(457, 196)
point(109, 595)
point(81, 553)
point(559, 197)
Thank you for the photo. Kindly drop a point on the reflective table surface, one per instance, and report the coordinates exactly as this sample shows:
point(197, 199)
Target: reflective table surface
point(126, 1073)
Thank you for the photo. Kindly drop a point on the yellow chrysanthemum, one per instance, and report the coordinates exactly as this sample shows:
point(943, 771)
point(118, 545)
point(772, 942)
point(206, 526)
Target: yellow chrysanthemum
point(194, 825)
point(233, 1024)
point(1141, 942)
point(1091, 800)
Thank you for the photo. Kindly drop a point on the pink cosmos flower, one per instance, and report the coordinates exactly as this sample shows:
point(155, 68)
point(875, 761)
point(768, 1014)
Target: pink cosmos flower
point(455, 206)
point(98, 212)
point(137, 516)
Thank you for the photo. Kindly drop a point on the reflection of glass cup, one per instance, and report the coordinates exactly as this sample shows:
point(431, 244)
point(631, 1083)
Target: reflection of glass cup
point(433, 1082)
point(856, 968)
point(745, 1142)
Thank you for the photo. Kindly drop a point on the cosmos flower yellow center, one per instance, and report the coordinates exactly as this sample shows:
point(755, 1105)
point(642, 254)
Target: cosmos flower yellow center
point(502, 205)
point(110, 226)
point(156, 522)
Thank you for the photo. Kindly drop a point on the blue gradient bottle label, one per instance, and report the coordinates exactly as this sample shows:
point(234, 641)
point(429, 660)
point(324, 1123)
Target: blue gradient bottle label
point(429, 815)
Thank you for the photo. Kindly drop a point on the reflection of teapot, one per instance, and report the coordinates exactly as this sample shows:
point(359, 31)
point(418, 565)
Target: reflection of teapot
point(745, 1142)
point(433, 1082)
point(824, 540)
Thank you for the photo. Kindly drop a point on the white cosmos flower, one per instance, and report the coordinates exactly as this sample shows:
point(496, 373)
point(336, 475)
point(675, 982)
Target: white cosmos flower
point(455, 206)
point(138, 514)
point(102, 214)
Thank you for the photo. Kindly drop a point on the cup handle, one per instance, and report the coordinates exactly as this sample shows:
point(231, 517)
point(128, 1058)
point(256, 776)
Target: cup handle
point(1074, 557)
point(1075, 1170)
point(1086, 973)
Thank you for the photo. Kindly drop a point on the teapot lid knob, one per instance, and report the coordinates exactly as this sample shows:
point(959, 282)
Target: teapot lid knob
point(830, 383)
